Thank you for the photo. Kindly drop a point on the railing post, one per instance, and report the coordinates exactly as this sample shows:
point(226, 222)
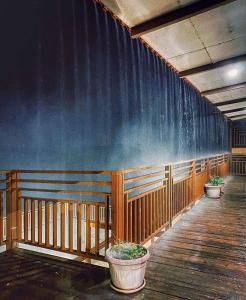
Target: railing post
point(193, 165)
point(11, 209)
point(169, 177)
point(118, 208)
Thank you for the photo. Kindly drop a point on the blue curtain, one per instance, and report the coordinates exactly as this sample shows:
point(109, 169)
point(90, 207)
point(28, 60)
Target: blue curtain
point(78, 93)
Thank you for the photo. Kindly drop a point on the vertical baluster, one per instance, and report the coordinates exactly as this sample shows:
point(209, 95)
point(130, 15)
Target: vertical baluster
point(107, 222)
point(182, 206)
point(174, 199)
point(47, 223)
point(158, 208)
point(166, 204)
point(130, 222)
point(33, 221)
point(55, 224)
point(40, 222)
point(70, 226)
point(135, 222)
point(162, 205)
point(78, 227)
point(139, 220)
point(143, 223)
point(88, 228)
point(185, 192)
point(97, 237)
point(126, 216)
point(63, 229)
point(26, 219)
point(147, 215)
point(178, 197)
point(151, 213)
point(154, 212)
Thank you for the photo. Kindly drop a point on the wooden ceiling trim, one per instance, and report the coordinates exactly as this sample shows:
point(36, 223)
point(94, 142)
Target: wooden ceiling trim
point(235, 117)
point(213, 66)
point(176, 16)
point(233, 110)
point(230, 102)
point(224, 89)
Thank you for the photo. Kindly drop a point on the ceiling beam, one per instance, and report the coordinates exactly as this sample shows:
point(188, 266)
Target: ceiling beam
point(224, 89)
point(233, 110)
point(213, 66)
point(239, 117)
point(176, 16)
point(230, 102)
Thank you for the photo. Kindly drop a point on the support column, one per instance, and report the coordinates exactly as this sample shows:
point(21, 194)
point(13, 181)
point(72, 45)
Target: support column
point(11, 209)
point(118, 208)
point(169, 193)
point(193, 165)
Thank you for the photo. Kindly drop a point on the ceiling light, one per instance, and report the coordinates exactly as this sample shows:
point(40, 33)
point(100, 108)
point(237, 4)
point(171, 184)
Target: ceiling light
point(232, 73)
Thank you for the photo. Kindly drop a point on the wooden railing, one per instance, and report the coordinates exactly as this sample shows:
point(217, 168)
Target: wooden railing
point(68, 211)
point(148, 199)
point(238, 164)
point(83, 212)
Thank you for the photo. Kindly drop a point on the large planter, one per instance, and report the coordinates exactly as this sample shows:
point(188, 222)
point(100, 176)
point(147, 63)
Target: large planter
point(213, 191)
point(127, 276)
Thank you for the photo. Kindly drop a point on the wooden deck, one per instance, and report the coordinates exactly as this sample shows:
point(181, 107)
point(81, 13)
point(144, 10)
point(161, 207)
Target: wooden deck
point(202, 257)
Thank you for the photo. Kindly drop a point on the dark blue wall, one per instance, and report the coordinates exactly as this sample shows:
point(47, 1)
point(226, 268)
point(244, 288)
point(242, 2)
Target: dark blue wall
point(78, 93)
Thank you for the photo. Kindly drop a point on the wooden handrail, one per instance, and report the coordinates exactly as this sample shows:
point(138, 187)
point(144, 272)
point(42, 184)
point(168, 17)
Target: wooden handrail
point(99, 183)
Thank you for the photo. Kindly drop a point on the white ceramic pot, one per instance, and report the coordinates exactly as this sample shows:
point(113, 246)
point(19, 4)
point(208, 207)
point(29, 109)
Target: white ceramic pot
point(127, 275)
point(213, 191)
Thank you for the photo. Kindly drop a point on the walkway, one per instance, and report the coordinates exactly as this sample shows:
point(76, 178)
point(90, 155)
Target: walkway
point(202, 257)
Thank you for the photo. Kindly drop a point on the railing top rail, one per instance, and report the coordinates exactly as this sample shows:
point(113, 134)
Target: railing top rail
point(104, 172)
point(66, 182)
point(144, 167)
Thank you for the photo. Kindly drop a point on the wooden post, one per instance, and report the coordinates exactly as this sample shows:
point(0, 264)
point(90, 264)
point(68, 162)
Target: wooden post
point(118, 206)
point(169, 193)
point(11, 212)
point(193, 165)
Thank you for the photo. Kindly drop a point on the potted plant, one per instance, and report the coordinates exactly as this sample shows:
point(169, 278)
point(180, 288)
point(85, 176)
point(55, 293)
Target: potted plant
point(127, 263)
point(213, 187)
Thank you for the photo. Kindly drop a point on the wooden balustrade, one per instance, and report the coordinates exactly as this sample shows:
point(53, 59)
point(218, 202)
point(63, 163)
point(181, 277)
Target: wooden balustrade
point(150, 198)
point(83, 212)
point(68, 211)
point(238, 164)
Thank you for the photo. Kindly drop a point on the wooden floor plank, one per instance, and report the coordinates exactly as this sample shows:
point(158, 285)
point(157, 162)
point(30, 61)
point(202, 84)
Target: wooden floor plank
point(203, 255)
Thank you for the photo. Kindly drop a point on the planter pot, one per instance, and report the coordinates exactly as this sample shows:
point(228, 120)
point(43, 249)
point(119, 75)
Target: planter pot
point(213, 191)
point(127, 276)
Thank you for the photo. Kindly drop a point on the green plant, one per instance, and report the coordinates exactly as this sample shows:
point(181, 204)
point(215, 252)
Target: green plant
point(217, 180)
point(127, 251)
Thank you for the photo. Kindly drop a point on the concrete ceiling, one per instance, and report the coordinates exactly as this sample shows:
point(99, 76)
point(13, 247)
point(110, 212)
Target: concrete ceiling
point(206, 38)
